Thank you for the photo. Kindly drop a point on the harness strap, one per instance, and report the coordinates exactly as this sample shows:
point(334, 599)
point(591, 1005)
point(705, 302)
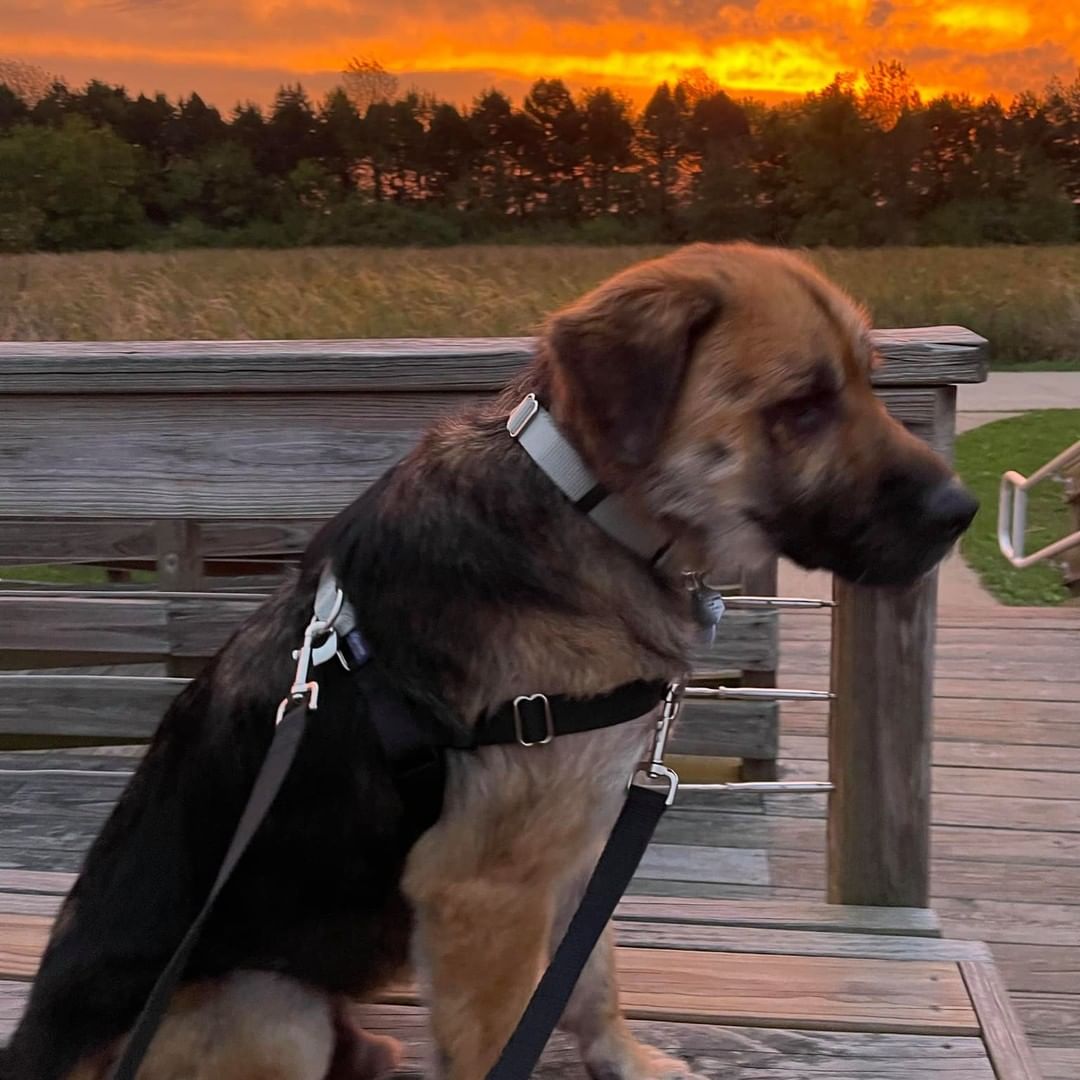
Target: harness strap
point(535, 719)
point(617, 864)
point(274, 769)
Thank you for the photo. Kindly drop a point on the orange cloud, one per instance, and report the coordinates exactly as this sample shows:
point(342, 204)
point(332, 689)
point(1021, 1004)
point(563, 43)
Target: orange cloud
point(766, 47)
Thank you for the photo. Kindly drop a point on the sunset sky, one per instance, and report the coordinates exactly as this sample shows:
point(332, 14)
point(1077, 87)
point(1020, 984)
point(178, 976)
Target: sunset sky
point(243, 49)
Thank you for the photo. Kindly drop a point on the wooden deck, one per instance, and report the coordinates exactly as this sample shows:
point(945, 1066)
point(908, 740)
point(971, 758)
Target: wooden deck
point(782, 986)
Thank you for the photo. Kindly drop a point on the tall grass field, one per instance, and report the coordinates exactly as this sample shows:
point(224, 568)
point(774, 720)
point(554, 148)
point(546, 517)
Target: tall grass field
point(1025, 300)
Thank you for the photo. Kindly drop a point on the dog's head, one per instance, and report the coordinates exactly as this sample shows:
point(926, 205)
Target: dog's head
point(727, 387)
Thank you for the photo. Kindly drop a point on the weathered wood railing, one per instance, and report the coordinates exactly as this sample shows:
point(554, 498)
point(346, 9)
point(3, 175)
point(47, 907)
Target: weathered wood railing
point(200, 459)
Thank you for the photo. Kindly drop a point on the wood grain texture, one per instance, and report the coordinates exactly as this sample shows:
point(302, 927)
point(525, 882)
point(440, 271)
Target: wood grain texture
point(47, 883)
point(747, 729)
point(779, 942)
point(780, 915)
point(201, 457)
point(85, 706)
point(879, 755)
point(752, 1053)
point(1008, 1047)
point(837, 993)
point(924, 356)
point(1058, 1063)
point(681, 862)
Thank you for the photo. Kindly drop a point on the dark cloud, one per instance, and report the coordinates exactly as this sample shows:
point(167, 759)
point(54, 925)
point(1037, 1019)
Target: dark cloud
point(879, 13)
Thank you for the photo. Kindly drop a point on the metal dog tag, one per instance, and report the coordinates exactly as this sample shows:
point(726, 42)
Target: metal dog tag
point(708, 609)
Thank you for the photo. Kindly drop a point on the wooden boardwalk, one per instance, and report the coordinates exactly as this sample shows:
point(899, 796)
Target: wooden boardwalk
point(843, 992)
point(1006, 807)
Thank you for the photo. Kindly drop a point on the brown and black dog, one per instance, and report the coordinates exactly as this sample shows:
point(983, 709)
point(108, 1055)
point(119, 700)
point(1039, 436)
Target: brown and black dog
point(725, 391)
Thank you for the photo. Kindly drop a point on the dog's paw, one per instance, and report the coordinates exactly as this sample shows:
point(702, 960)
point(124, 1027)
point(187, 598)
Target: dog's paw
point(365, 1056)
point(634, 1061)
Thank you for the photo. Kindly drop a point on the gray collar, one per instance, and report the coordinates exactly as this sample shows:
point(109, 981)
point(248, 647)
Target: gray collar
point(532, 426)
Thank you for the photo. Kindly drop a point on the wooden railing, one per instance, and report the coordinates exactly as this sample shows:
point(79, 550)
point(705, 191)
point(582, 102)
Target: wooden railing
point(212, 462)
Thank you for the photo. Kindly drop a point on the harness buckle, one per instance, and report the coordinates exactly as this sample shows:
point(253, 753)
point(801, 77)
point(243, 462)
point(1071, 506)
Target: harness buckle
point(519, 722)
point(309, 690)
point(523, 413)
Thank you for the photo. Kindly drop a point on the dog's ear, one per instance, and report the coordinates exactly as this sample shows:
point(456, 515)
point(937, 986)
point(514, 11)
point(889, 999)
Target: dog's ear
point(618, 359)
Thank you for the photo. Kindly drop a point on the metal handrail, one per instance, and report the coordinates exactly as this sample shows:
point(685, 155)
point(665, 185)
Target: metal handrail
point(1012, 512)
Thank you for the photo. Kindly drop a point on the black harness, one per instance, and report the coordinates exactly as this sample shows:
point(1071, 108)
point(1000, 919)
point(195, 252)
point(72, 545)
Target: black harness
point(415, 744)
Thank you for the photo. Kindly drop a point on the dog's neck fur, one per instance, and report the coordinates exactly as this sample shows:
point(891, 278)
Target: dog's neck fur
point(476, 580)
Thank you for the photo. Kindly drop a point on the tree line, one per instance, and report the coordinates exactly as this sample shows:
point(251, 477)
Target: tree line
point(858, 163)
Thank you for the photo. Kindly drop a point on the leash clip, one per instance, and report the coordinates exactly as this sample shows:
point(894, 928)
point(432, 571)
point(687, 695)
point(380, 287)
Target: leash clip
point(307, 655)
point(654, 768)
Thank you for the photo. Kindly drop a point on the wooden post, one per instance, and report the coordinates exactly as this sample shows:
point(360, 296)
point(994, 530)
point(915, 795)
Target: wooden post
point(881, 718)
point(761, 581)
point(1071, 558)
point(880, 736)
point(179, 569)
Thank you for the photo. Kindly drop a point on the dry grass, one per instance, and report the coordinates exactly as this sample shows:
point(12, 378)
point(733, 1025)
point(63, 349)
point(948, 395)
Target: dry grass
point(1026, 300)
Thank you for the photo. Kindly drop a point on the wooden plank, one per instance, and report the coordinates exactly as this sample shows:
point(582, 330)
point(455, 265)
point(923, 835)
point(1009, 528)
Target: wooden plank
point(77, 541)
point(774, 990)
point(22, 903)
point(13, 997)
point(1049, 1018)
point(63, 624)
point(201, 457)
point(778, 942)
point(967, 754)
point(1035, 725)
point(727, 1051)
point(1039, 968)
point(713, 890)
point(744, 639)
point(47, 883)
point(833, 993)
point(1004, 1037)
point(724, 1051)
point(922, 356)
point(1028, 784)
point(780, 915)
point(245, 367)
point(995, 921)
point(880, 719)
point(199, 624)
point(85, 706)
point(840, 994)
point(22, 941)
point(130, 707)
point(1058, 1063)
point(679, 862)
point(727, 728)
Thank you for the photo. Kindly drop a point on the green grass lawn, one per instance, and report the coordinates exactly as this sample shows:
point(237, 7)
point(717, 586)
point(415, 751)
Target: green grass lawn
point(1024, 443)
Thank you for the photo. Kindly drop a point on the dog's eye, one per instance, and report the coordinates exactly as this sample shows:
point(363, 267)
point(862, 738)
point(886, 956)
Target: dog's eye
point(804, 415)
point(810, 416)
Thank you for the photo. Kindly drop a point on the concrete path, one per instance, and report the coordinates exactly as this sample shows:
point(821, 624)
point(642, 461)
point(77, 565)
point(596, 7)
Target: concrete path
point(958, 585)
point(1008, 393)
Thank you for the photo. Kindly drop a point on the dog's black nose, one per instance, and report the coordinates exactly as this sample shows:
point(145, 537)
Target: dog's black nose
point(949, 509)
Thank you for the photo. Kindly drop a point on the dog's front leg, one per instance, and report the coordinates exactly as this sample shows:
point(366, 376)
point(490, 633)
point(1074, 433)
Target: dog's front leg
point(608, 1049)
point(480, 946)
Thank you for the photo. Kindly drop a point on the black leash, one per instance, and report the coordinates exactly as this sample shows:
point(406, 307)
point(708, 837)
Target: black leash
point(275, 768)
point(616, 866)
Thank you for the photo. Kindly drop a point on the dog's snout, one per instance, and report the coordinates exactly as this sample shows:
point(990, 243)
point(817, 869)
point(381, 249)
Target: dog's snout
point(949, 509)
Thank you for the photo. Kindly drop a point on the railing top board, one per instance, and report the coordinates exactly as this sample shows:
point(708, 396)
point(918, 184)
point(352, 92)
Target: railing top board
point(920, 356)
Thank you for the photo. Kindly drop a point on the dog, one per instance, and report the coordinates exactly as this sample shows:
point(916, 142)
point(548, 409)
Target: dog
point(724, 392)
